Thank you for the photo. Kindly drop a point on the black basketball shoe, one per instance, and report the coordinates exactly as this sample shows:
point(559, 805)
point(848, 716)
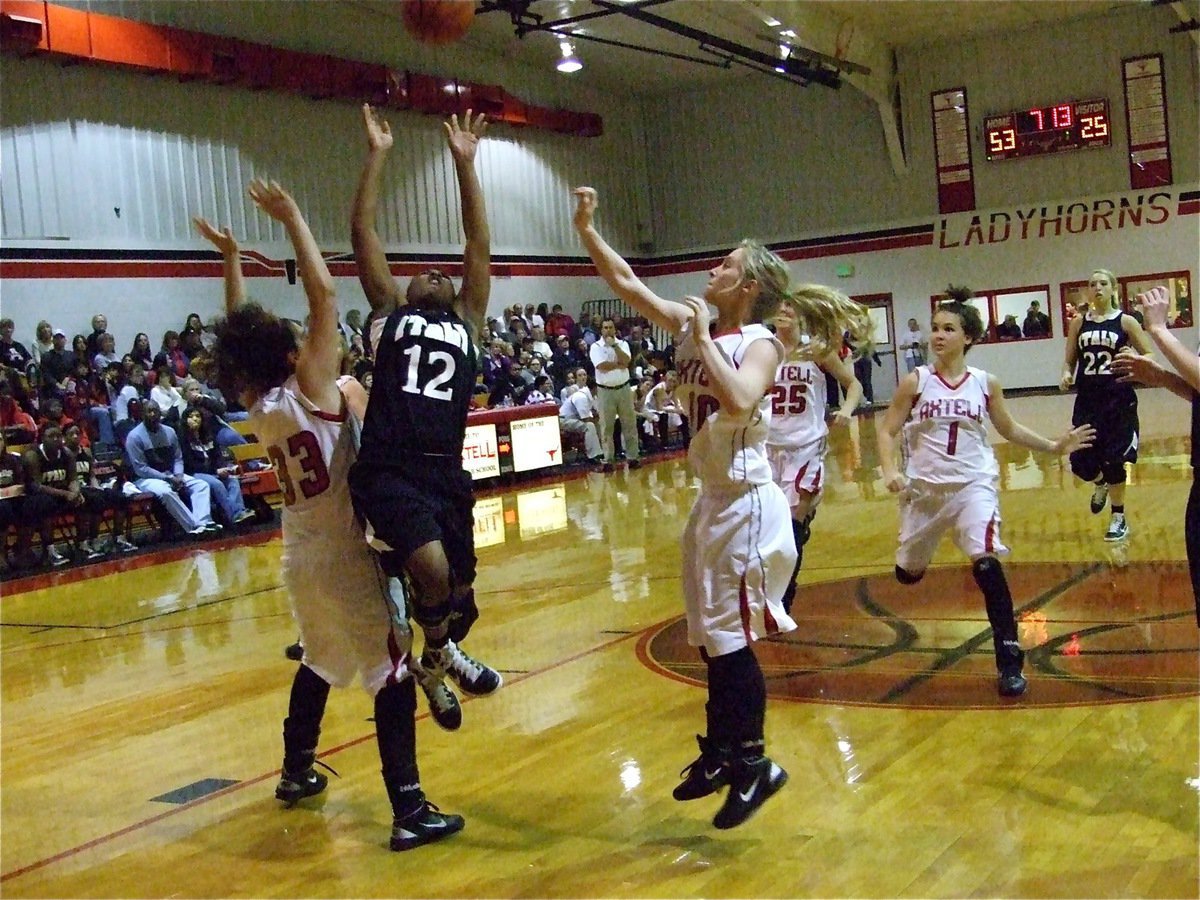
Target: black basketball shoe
point(705, 775)
point(752, 783)
point(295, 786)
point(424, 825)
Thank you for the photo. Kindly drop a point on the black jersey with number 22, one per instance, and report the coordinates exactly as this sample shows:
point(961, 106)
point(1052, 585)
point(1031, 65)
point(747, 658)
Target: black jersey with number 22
point(423, 376)
point(1098, 344)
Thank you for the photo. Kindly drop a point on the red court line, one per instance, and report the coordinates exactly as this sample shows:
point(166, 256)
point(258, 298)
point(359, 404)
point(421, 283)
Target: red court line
point(144, 823)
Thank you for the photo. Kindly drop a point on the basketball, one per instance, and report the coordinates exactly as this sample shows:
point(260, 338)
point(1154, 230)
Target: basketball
point(438, 21)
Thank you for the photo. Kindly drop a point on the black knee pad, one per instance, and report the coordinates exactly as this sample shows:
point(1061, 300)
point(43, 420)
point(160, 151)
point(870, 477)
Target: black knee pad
point(1114, 472)
point(463, 614)
point(1085, 470)
point(906, 577)
point(988, 573)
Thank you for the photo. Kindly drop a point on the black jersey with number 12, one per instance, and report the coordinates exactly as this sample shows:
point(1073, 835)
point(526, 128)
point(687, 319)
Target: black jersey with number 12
point(423, 376)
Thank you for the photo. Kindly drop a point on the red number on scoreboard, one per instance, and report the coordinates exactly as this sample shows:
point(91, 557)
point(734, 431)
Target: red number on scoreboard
point(1061, 116)
point(1041, 119)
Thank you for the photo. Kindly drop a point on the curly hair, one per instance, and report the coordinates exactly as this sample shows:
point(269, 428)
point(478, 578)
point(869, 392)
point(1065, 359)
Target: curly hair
point(972, 322)
point(252, 350)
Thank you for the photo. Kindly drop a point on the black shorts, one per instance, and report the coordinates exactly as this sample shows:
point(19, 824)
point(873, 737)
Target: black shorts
point(98, 500)
point(38, 507)
point(409, 508)
point(1116, 427)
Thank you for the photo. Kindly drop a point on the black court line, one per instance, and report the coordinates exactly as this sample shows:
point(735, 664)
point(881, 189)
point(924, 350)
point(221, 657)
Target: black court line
point(955, 655)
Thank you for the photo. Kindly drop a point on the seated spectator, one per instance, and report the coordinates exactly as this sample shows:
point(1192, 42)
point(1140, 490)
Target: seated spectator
point(43, 341)
point(212, 404)
point(13, 353)
point(1008, 330)
point(127, 406)
point(568, 387)
point(92, 342)
point(671, 413)
point(539, 346)
point(1037, 323)
point(541, 392)
point(97, 500)
point(156, 460)
point(203, 459)
point(558, 322)
point(17, 424)
point(172, 356)
point(50, 490)
point(12, 487)
point(509, 389)
point(577, 415)
point(169, 400)
point(107, 354)
point(57, 364)
point(53, 414)
point(141, 352)
point(647, 415)
point(85, 401)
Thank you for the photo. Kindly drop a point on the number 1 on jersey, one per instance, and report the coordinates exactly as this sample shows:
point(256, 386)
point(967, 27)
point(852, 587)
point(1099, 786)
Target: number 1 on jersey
point(952, 442)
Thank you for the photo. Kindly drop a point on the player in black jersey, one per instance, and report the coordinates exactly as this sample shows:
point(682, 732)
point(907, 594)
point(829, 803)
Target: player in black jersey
point(1093, 341)
point(408, 483)
point(1155, 304)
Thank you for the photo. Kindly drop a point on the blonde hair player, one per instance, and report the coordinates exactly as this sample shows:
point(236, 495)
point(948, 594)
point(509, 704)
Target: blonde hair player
point(797, 439)
point(737, 547)
point(950, 473)
point(1093, 341)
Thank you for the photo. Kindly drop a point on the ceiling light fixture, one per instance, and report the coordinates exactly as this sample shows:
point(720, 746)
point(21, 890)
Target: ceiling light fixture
point(569, 62)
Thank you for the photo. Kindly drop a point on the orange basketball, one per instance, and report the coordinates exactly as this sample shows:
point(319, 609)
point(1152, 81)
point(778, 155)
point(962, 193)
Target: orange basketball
point(438, 21)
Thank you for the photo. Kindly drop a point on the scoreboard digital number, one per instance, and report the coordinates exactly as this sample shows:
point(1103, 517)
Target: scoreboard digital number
point(1048, 129)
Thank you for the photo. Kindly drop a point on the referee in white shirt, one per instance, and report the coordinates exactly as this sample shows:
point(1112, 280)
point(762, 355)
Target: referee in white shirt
point(610, 357)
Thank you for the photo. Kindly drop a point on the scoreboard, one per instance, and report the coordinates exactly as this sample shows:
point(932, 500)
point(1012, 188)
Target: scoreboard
point(1075, 125)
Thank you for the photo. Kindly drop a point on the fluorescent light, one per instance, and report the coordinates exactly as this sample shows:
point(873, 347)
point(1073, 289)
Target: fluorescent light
point(569, 62)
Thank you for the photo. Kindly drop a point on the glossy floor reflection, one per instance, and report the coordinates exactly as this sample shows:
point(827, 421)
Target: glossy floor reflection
point(122, 688)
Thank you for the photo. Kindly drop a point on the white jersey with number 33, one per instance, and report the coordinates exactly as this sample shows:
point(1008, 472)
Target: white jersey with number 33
point(945, 437)
point(726, 450)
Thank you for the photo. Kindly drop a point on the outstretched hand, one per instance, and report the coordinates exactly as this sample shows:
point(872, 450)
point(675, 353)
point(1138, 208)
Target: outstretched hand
point(464, 141)
point(379, 132)
point(272, 199)
point(223, 240)
point(587, 199)
point(1076, 439)
point(1131, 367)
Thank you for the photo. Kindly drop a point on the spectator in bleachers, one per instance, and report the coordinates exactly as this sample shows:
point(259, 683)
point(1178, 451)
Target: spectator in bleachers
point(141, 352)
point(569, 387)
point(50, 488)
point(172, 356)
point(541, 392)
point(57, 364)
point(12, 478)
point(509, 388)
point(53, 414)
point(92, 345)
point(204, 458)
point(83, 392)
point(12, 353)
point(16, 422)
point(639, 348)
point(156, 460)
point(495, 364)
point(212, 404)
point(563, 359)
point(558, 322)
point(589, 328)
point(168, 398)
point(43, 342)
point(127, 406)
point(106, 355)
point(577, 415)
point(98, 499)
point(582, 350)
point(539, 345)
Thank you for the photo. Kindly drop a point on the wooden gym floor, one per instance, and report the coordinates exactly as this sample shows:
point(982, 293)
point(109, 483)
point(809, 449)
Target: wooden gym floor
point(143, 702)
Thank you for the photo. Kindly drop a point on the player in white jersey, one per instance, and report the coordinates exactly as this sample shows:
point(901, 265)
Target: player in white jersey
point(950, 479)
point(352, 621)
point(796, 443)
point(737, 546)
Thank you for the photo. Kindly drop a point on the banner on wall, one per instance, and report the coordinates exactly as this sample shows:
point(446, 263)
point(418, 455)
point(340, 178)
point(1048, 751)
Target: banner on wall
point(481, 455)
point(1146, 121)
point(536, 443)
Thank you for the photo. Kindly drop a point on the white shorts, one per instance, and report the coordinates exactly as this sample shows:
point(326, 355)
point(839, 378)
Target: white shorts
point(798, 469)
point(738, 557)
point(352, 620)
point(927, 511)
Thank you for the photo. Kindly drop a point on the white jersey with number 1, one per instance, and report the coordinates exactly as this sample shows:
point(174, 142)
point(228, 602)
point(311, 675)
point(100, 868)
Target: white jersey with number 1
point(945, 437)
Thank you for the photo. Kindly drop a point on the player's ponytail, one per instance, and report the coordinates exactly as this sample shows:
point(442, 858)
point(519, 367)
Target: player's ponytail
point(826, 315)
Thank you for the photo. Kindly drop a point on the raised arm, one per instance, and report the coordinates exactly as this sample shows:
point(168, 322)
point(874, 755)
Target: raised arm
point(1185, 380)
point(477, 254)
point(1012, 430)
point(320, 357)
point(223, 240)
point(382, 292)
point(617, 272)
